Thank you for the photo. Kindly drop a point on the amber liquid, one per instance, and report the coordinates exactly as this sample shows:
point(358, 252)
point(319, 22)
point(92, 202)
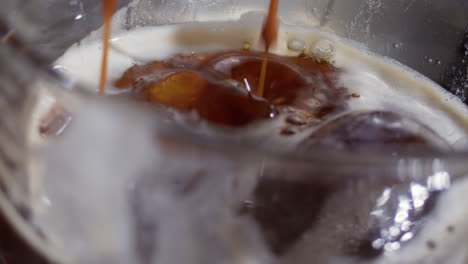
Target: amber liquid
point(108, 7)
point(222, 87)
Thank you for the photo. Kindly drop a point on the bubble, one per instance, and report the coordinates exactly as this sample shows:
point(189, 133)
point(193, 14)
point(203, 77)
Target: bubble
point(378, 243)
point(296, 45)
point(394, 231)
point(395, 246)
point(438, 62)
point(390, 247)
point(323, 50)
point(406, 237)
point(430, 60)
point(246, 46)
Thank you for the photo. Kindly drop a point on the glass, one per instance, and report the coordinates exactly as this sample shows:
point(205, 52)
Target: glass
point(198, 209)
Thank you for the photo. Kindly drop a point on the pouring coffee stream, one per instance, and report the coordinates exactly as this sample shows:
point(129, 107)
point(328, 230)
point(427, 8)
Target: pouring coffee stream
point(269, 36)
point(108, 7)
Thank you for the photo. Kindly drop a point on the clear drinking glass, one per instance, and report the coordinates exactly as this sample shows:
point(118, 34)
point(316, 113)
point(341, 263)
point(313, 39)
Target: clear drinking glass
point(188, 197)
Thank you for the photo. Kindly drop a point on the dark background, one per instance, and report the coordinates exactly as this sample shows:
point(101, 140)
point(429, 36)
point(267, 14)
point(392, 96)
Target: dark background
point(14, 250)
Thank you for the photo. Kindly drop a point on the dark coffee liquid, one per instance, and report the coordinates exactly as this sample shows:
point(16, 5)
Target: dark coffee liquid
point(221, 87)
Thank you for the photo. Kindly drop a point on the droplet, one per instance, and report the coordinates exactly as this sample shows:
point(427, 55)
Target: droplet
point(296, 45)
point(438, 62)
point(323, 50)
point(397, 45)
point(430, 60)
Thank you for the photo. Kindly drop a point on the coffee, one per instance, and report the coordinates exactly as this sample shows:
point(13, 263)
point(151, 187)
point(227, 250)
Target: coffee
point(320, 91)
point(309, 85)
point(222, 87)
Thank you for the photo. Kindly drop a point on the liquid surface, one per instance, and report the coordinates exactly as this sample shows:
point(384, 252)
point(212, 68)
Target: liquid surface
point(109, 7)
point(222, 87)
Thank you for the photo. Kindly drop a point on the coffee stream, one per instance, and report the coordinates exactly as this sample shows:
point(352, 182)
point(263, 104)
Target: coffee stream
point(108, 7)
point(269, 36)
